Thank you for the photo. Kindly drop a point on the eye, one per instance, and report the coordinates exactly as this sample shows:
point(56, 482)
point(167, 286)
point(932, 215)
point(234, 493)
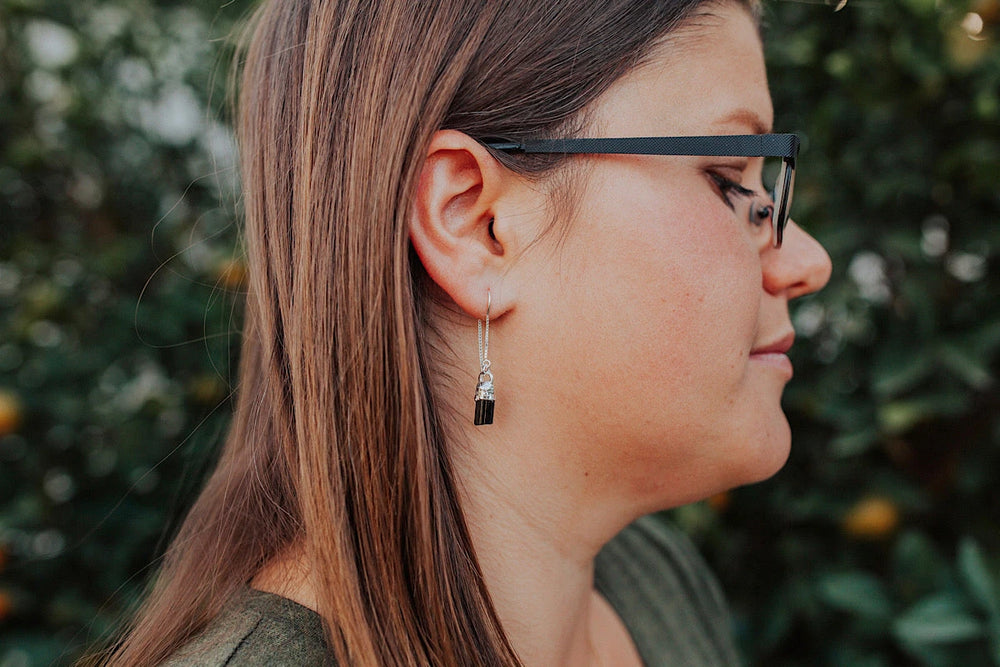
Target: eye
point(760, 212)
point(729, 189)
point(759, 207)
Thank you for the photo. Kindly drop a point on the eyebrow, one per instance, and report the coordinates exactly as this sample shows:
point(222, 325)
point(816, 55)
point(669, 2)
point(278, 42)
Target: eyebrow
point(749, 118)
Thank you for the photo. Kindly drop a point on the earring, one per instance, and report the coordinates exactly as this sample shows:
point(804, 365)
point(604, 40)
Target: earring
point(484, 387)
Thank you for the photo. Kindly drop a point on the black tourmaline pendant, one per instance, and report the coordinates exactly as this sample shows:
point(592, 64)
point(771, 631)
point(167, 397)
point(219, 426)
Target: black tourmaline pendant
point(484, 399)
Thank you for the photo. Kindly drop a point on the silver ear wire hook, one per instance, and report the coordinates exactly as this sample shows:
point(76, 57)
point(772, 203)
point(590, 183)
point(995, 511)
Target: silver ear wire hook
point(484, 386)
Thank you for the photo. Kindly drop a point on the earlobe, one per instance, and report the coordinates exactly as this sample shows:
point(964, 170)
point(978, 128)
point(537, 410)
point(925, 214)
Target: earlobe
point(451, 223)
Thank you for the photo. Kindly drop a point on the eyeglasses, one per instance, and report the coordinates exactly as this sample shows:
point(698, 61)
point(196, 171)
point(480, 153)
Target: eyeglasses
point(784, 146)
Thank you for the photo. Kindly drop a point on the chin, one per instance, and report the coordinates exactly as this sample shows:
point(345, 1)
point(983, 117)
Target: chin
point(740, 456)
point(769, 453)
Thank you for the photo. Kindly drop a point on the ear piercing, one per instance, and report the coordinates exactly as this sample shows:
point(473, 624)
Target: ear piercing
point(484, 387)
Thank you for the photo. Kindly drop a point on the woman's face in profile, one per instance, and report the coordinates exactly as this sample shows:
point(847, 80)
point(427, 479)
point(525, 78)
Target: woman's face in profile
point(661, 315)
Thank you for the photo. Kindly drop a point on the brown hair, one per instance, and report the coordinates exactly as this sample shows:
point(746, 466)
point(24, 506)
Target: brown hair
point(336, 440)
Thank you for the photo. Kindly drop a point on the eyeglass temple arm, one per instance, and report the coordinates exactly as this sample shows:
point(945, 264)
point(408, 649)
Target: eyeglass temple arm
point(746, 145)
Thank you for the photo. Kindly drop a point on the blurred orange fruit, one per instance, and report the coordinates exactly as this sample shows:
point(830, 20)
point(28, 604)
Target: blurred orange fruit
point(6, 605)
point(232, 273)
point(873, 517)
point(207, 389)
point(10, 412)
point(720, 501)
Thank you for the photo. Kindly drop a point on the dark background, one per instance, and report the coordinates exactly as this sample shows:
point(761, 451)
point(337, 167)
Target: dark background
point(120, 283)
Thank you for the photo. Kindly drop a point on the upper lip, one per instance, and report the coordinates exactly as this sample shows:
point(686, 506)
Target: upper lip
point(779, 345)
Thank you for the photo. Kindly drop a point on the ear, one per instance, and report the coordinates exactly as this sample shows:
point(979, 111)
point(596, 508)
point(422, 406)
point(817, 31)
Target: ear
point(460, 188)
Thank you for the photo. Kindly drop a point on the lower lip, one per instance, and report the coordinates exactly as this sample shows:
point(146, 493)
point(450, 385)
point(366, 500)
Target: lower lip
point(776, 360)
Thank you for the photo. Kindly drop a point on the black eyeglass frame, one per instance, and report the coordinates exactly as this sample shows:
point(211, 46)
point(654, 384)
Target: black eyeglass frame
point(785, 146)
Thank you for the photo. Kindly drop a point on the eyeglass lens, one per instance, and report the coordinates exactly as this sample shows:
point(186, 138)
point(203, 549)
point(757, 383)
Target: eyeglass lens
point(779, 178)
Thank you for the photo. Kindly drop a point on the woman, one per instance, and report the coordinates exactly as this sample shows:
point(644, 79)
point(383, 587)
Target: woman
point(631, 309)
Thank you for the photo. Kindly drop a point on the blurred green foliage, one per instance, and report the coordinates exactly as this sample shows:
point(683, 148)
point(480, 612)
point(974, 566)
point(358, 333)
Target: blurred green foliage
point(878, 544)
point(119, 292)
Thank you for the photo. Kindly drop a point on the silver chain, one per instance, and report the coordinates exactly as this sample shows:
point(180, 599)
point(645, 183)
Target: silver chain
point(484, 347)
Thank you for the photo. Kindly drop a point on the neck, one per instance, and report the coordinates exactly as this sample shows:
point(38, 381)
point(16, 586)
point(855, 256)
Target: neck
point(536, 552)
point(542, 591)
point(536, 540)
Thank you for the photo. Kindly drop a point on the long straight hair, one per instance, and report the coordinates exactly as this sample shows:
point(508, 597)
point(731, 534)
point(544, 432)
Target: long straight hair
point(336, 442)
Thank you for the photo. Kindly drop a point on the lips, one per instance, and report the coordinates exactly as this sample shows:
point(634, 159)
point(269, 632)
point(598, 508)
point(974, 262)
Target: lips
point(779, 346)
point(773, 354)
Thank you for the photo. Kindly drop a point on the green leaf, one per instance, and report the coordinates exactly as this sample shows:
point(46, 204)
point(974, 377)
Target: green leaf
point(858, 593)
point(918, 568)
point(897, 369)
point(938, 620)
point(976, 577)
point(971, 370)
point(852, 444)
point(900, 416)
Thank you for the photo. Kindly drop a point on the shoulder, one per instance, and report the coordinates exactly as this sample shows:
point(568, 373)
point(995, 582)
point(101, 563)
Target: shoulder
point(653, 552)
point(666, 595)
point(258, 628)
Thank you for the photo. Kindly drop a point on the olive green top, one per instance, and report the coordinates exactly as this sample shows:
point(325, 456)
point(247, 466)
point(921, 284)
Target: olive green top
point(650, 573)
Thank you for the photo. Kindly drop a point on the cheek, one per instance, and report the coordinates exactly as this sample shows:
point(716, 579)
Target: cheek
point(646, 312)
point(674, 292)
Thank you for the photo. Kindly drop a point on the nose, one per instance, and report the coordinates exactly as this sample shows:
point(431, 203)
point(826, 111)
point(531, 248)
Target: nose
point(801, 266)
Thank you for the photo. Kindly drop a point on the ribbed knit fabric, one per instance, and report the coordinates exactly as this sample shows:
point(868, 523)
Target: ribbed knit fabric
point(665, 594)
point(650, 573)
point(258, 628)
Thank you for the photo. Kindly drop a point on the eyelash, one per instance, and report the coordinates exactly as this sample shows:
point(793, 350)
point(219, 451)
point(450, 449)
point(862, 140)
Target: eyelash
point(727, 187)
